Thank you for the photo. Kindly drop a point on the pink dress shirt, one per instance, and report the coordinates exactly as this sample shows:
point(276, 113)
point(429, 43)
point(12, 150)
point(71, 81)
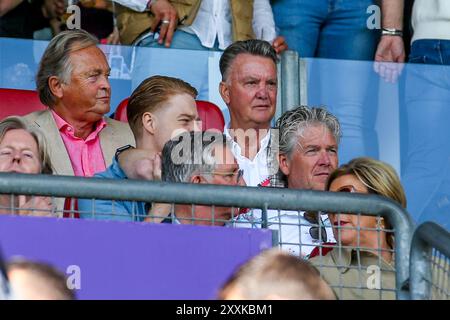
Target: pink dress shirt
point(86, 156)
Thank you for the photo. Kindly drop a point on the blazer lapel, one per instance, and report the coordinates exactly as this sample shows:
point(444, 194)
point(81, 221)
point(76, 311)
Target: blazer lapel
point(56, 148)
point(108, 143)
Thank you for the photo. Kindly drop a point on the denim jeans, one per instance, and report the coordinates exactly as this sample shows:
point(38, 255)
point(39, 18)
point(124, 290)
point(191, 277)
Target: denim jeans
point(335, 29)
point(426, 175)
point(186, 59)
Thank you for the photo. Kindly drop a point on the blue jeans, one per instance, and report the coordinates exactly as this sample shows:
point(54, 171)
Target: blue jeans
point(334, 29)
point(186, 59)
point(426, 175)
point(337, 29)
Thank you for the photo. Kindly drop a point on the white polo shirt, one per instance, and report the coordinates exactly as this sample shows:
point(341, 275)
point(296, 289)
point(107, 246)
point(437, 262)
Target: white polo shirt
point(293, 229)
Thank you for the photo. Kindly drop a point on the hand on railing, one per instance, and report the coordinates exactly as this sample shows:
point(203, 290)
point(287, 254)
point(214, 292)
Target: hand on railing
point(36, 206)
point(389, 58)
point(166, 15)
point(279, 44)
point(113, 38)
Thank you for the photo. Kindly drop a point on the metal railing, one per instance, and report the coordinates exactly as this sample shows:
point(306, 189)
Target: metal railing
point(430, 263)
point(219, 195)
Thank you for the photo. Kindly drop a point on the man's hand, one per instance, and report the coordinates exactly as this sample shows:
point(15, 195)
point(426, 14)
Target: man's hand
point(158, 212)
point(279, 44)
point(165, 14)
point(113, 38)
point(36, 206)
point(389, 58)
point(139, 164)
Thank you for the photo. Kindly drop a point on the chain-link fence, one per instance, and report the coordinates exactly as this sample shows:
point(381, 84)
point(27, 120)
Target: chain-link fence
point(430, 263)
point(354, 242)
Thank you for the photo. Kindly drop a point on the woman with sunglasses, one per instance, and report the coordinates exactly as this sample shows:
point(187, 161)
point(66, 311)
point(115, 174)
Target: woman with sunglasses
point(362, 261)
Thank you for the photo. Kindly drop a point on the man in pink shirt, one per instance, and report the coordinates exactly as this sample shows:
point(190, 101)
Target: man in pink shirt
point(72, 81)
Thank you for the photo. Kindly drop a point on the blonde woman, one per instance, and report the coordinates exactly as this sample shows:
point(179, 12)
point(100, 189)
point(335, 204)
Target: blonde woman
point(363, 261)
point(23, 150)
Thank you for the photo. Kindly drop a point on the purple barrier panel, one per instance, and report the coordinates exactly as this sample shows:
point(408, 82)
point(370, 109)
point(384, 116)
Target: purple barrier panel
point(125, 260)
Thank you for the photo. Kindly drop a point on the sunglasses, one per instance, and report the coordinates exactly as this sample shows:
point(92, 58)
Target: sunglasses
point(316, 232)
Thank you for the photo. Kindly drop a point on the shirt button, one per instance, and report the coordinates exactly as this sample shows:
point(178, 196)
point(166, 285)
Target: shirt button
point(69, 129)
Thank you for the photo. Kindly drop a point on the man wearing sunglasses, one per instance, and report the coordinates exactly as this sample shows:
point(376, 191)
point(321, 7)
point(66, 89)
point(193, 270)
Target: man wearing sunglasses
point(206, 159)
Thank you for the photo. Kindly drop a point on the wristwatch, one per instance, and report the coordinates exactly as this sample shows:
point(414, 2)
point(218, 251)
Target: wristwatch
point(121, 149)
point(391, 32)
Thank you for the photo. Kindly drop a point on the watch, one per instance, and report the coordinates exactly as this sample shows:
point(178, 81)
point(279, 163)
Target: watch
point(121, 149)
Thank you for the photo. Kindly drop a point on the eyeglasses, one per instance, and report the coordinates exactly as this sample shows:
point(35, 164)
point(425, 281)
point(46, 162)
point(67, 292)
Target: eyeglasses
point(239, 174)
point(316, 232)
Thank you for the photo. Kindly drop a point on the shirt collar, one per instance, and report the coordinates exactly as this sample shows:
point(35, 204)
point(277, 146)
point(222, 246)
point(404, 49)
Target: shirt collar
point(346, 257)
point(63, 125)
point(264, 141)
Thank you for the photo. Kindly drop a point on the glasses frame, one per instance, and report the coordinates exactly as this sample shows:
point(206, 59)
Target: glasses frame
point(239, 174)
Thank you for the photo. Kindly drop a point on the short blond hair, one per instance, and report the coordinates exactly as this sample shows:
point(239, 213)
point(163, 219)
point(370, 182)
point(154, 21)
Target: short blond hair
point(276, 273)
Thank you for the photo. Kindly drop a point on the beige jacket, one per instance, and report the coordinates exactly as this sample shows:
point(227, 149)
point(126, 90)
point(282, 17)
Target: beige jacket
point(132, 24)
point(116, 134)
point(357, 281)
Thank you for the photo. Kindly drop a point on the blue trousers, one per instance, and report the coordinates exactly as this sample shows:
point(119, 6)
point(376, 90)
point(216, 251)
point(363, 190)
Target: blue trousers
point(186, 59)
point(334, 29)
point(426, 173)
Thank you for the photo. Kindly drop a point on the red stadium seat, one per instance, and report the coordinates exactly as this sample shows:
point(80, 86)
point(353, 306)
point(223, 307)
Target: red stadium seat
point(210, 114)
point(14, 102)
point(121, 111)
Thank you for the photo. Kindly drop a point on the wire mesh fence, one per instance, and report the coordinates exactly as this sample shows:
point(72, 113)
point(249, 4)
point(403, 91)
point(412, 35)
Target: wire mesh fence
point(430, 263)
point(352, 251)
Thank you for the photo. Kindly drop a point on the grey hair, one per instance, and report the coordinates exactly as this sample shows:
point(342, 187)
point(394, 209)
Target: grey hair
point(56, 62)
point(190, 153)
point(292, 124)
point(254, 47)
point(12, 123)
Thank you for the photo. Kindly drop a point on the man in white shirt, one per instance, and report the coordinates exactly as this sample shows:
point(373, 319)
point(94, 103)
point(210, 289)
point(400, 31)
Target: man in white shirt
point(308, 146)
point(249, 89)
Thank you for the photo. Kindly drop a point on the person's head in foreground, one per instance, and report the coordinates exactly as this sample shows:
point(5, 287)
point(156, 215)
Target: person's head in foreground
point(201, 158)
point(369, 176)
point(309, 139)
point(159, 109)
point(37, 281)
point(276, 275)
